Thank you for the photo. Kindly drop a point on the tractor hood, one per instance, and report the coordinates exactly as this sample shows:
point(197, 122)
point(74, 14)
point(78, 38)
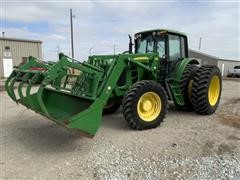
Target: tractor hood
point(107, 59)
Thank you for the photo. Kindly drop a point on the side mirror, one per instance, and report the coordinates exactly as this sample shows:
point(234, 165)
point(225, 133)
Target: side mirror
point(130, 44)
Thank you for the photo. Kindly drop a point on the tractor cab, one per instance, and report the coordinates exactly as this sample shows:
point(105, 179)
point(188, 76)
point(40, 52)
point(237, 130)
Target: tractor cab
point(171, 46)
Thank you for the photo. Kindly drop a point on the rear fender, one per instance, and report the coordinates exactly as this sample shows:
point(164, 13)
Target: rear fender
point(181, 66)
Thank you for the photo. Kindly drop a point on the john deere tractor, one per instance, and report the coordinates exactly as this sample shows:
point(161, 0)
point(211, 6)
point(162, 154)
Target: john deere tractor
point(142, 82)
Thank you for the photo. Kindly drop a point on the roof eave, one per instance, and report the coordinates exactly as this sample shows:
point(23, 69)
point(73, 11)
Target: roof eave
point(168, 30)
point(20, 40)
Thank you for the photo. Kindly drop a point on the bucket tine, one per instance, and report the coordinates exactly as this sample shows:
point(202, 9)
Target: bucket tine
point(7, 86)
point(20, 91)
point(11, 89)
point(29, 97)
point(25, 79)
point(40, 101)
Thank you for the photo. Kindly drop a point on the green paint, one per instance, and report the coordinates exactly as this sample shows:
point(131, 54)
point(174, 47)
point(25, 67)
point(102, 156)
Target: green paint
point(181, 67)
point(76, 101)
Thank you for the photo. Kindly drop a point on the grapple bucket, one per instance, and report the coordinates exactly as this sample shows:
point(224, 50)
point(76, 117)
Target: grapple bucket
point(52, 91)
point(68, 110)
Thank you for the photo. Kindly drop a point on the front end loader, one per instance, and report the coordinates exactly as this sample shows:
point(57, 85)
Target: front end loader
point(142, 82)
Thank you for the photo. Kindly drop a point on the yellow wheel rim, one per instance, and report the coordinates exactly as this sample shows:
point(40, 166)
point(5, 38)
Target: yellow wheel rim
point(149, 106)
point(214, 90)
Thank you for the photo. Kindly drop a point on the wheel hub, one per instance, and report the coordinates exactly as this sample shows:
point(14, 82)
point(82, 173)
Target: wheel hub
point(149, 106)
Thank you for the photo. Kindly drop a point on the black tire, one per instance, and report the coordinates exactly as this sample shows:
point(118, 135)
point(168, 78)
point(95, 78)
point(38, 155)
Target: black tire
point(130, 104)
point(111, 108)
point(201, 87)
point(185, 81)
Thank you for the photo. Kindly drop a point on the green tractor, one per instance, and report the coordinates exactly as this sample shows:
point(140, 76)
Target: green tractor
point(142, 82)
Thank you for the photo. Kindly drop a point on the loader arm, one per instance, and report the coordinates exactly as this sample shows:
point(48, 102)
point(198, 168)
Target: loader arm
point(90, 119)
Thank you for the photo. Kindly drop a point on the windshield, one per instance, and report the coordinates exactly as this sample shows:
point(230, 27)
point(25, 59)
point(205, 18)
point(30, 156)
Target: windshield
point(145, 44)
point(150, 44)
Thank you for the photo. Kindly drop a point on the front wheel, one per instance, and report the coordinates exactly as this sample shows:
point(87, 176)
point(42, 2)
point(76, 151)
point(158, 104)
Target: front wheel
point(145, 105)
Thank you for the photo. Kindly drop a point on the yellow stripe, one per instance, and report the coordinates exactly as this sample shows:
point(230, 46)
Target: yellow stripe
point(141, 58)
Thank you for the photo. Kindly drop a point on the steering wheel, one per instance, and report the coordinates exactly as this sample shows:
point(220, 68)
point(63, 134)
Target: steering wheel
point(149, 51)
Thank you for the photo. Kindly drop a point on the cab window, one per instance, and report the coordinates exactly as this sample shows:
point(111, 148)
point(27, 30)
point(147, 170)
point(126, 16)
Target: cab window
point(176, 48)
point(145, 45)
point(142, 45)
point(161, 46)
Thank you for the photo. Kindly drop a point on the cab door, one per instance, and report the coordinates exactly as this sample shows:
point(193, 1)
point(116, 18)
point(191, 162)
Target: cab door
point(176, 51)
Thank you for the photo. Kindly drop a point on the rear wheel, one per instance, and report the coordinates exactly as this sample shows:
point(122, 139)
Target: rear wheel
point(186, 86)
point(145, 105)
point(206, 91)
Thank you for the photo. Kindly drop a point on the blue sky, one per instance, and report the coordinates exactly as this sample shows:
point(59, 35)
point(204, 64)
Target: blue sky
point(103, 24)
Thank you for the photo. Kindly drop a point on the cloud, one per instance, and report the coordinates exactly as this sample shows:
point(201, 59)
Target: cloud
point(102, 24)
point(25, 14)
point(32, 11)
point(55, 37)
point(21, 33)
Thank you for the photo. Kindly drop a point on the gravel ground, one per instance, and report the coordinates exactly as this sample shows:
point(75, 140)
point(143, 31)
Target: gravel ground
point(185, 146)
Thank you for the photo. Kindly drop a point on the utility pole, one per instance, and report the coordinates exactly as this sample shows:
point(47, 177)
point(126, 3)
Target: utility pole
point(200, 43)
point(71, 23)
point(114, 49)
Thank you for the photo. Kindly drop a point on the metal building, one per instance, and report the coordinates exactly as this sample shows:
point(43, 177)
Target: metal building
point(15, 51)
point(225, 65)
point(206, 59)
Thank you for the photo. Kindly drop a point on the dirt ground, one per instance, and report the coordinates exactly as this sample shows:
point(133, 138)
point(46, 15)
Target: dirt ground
point(185, 146)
